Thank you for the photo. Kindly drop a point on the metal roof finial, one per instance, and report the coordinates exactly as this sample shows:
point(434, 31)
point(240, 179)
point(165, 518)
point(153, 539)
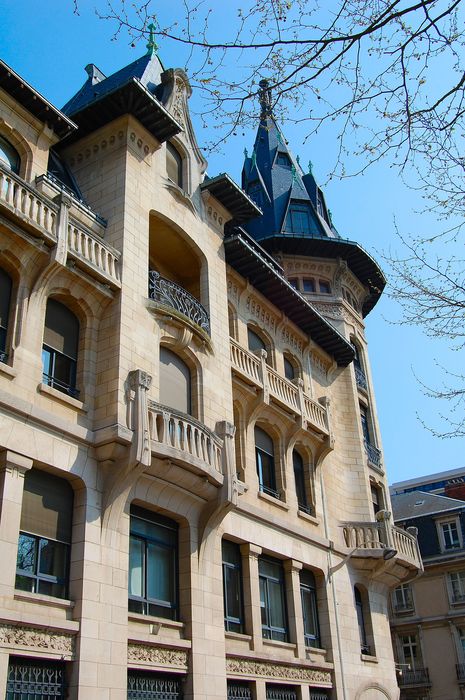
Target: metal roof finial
point(264, 95)
point(152, 46)
point(310, 167)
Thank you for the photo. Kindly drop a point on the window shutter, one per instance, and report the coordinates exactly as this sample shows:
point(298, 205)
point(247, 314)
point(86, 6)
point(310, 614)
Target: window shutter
point(47, 508)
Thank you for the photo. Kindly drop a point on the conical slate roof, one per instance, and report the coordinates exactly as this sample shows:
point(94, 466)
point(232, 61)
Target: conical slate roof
point(295, 217)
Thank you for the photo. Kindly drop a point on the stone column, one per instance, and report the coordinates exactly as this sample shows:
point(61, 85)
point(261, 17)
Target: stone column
point(292, 570)
point(13, 467)
point(252, 611)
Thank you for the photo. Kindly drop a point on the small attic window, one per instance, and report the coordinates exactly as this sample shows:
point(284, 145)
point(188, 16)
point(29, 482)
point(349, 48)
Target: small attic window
point(173, 164)
point(283, 159)
point(298, 219)
point(9, 156)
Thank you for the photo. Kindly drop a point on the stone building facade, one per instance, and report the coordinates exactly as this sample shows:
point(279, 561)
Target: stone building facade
point(428, 614)
point(193, 499)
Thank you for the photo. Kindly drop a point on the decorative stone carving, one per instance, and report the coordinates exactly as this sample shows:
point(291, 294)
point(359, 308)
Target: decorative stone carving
point(262, 314)
point(160, 656)
point(292, 341)
point(274, 670)
point(45, 639)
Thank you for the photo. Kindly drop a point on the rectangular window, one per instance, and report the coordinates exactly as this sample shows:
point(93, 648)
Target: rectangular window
point(457, 586)
point(280, 692)
point(232, 587)
point(264, 459)
point(272, 599)
point(153, 556)
point(450, 535)
point(309, 608)
point(298, 219)
point(402, 599)
point(309, 284)
point(410, 651)
point(42, 564)
point(154, 686)
point(239, 690)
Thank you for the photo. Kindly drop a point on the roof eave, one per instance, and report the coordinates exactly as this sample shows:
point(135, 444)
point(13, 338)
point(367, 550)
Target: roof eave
point(232, 197)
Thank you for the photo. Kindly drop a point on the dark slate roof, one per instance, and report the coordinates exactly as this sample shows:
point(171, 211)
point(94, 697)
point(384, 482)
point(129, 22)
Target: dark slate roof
point(131, 90)
point(246, 256)
point(416, 504)
point(33, 101)
point(275, 186)
point(230, 195)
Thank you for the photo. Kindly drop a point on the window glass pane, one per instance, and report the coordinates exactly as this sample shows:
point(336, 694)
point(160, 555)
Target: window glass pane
point(5, 296)
point(232, 585)
point(160, 573)
point(289, 371)
point(8, 155)
point(299, 478)
point(275, 592)
point(325, 287)
point(254, 341)
point(61, 329)
point(47, 507)
point(309, 285)
point(136, 567)
point(26, 557)
point(52, 558)
point(173, 164)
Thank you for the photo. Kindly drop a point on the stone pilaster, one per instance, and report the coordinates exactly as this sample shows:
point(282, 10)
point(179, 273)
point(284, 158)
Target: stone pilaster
point(252, 612)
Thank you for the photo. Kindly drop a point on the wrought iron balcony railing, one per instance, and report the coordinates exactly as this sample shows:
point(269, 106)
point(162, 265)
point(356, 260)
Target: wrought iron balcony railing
point(373, 455)
point(360, 378)
point(408, 678)
point(172, 295)
point(460, 668)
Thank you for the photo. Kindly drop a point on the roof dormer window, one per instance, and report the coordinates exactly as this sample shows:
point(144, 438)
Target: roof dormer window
point(298, 219)
point(283, 159)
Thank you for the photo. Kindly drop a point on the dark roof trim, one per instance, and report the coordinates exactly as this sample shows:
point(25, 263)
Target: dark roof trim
point(246, 257)
point(34, 102)
point(363, 266)
point(132, 97)
point(232, 197)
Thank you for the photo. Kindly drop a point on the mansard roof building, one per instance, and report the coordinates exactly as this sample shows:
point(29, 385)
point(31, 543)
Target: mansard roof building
point(193, 496)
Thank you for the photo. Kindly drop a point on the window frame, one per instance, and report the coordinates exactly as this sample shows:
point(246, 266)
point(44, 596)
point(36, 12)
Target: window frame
point(12, 164)
point(178, 161)
point(232, 623)
point(261, 458)
point(441, 524)
point(269, 630)
point(456, 599)
point(146, 605)
point(4, 327)
point(405, 602)
point(38, 577)
point(308, 588)
point(55, 361)
point(303, 501)
point(298, 219)
point(361, 620)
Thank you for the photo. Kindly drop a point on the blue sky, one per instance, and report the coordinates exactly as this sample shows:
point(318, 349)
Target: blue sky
point(50, 49)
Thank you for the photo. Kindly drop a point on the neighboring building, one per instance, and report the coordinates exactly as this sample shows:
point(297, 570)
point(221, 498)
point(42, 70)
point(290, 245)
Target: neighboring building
point(428, 614)
point(193, 499)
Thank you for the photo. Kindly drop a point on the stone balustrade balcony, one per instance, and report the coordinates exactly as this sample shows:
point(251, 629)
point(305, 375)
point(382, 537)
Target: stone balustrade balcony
point(50, 220)
point(170, 295)
point(254, 370)
point(186, 441)
point(366, 537)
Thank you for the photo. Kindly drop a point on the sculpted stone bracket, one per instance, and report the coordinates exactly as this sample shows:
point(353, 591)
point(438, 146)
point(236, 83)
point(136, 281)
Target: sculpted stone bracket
point(38, 640)
point(262, 669)
point(164, 657)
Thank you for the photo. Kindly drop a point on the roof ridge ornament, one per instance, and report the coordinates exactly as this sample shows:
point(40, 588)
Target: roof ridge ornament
point(264, 95)
point(152, 46)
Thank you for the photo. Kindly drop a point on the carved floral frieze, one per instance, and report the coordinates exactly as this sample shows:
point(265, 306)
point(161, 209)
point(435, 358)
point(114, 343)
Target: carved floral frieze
point(36, 638)
point(158, 656)
point(264, 669)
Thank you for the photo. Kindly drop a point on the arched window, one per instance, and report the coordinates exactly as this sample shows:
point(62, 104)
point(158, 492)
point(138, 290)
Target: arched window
point(300, 482)
point(309, 608)
point(60, 348)
point(361, 619)
point(290, 368)
point(5, 299)
point(45, 535)
point(257, 343)
point(360, 376)
point(264, 457)
point(175, 382)
point(153, 564)
point(174, 164)
point(9, 156)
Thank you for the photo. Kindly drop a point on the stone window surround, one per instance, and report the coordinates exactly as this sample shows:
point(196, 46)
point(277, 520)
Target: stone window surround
point(444, 521)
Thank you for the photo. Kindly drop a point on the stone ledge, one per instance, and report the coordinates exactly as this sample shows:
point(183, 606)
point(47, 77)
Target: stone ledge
point(7, 370)
point(60, 396)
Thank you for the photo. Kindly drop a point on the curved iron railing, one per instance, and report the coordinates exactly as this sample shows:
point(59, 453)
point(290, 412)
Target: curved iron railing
point(170, 294)
point(373, 454)
point(360, 378)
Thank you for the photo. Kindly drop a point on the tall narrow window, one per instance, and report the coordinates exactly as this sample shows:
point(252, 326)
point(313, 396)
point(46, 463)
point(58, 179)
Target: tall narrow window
point(360, 376)
point(255, 342)
point(309, 608)
point(365, 649)
point(5, 299)
point(365, 424)
point(60, 348)
point(232, 587)
point(411, 652)
point(9, 156)
point(175, 382)
point(402, 599)
point(45, 535)
point(153, 577)
point(299, 478)
point(298, 219)
point(289, 369)
point(450, 535)
point(457, 586)
point(272, 599)
point(376, 498)
point(264, 456)
point(174, 164)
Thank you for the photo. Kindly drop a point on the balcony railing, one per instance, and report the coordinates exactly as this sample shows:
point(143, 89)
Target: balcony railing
point(255, 370)
point(168, 293)
point(407, 678)
point(373, 455)
point(360, 378)
point(382, 534)
point(30, 206)
point(181, 437)
point(460, 668)
point(93, 253)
